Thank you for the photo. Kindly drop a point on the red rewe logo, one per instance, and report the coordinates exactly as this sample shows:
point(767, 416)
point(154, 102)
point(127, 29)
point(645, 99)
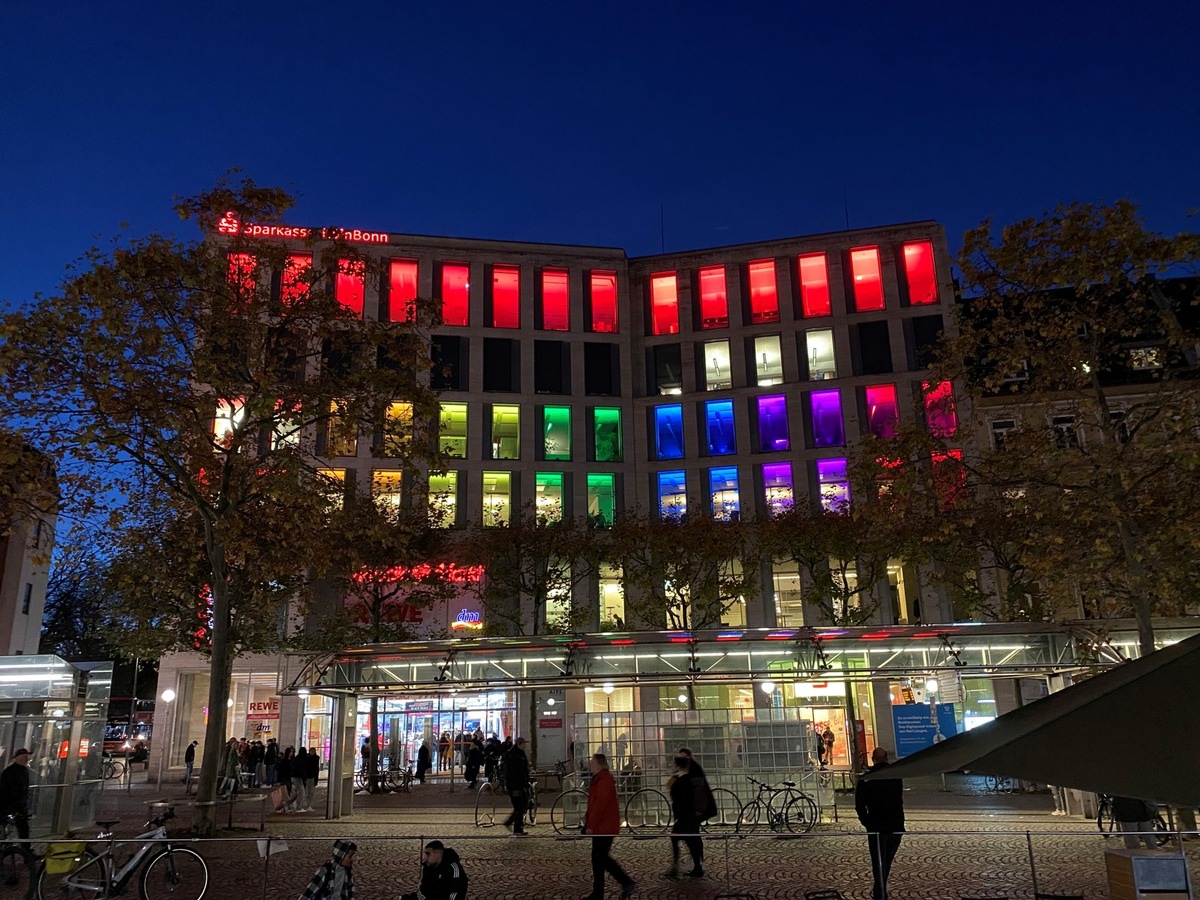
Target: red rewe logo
point(229, 224)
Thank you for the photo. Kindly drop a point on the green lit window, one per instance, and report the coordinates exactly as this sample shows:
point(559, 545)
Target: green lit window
point(497, 498)
point(453, 428)
point(556, 432)
point(607, 422)
point(443, 500)
point(506, 431)
point(601, 500)
point(550, 496)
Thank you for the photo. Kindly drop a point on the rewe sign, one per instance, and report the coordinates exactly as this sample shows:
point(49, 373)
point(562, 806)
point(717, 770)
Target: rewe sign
point(262, 710)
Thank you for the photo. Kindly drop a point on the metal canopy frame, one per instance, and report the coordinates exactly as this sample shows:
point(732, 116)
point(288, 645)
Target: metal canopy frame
point(723, 656)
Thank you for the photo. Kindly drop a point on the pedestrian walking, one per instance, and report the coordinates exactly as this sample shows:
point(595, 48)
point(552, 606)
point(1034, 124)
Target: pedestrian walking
point(690, 799)
point(516, 780)
point(444, 752)
point(442, 875)
point(880, 807)
point(14, 792)
point(423, 763)
point(335, 879)
point(271, 759)
point(299, 768)
point(603, 823)
point(312, 775)
point(1135, 818)
point(189, 761)
point(283, 772)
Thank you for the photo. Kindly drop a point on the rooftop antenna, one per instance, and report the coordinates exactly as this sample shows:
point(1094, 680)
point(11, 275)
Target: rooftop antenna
point(846, 202)
point(662, 227)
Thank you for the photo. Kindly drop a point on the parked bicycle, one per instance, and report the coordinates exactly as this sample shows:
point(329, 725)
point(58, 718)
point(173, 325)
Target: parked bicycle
point(778, 808)
point(92, 873)
point(999, 784)
point(112, 768)
point(17, 862)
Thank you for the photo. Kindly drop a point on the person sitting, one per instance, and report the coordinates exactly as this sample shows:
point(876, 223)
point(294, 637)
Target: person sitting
point(442, 875)
point(335, 879)
point(140, 754)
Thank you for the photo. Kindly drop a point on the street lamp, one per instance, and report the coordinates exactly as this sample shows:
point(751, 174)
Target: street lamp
point(168, 696)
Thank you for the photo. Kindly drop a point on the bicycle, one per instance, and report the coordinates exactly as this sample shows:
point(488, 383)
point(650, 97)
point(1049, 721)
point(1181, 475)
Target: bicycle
point(779, 808)
point(112, 768)
point(17, 862)
point(999, 784)
point(1106, 821)
point(177, 871)
point(400, 780)
point(492, 798)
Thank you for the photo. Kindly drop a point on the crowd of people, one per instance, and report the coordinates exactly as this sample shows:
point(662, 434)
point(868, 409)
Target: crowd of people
point(255, 764)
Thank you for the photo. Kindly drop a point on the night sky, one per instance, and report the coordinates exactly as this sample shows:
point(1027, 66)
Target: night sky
point(576, 122)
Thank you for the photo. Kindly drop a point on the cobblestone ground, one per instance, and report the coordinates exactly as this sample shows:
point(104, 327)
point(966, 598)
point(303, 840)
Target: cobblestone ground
point(960, 843)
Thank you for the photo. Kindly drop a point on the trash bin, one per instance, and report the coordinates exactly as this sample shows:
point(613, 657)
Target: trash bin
point(1146, 875)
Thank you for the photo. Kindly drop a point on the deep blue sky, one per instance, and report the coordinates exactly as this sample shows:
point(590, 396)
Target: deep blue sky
point(572, 122)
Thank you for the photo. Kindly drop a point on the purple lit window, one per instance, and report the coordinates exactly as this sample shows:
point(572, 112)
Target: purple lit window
point(827, 427)
point(835, 487)
point(882, 413)
point(773, 424)
point(777, 487)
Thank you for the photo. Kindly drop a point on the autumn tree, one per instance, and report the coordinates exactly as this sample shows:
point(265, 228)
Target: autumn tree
point(1067, 327)
point(687, 573)
point(151, 342)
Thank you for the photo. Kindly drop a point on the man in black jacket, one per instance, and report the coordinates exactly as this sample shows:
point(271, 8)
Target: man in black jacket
point(14, 792)
point(880, 807)
point(516, 780)
point(442, 875)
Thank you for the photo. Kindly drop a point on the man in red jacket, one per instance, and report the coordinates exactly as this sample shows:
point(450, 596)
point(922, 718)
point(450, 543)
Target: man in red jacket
point(603, 822)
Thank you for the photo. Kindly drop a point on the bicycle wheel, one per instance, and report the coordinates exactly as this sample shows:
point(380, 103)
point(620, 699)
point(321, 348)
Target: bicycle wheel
point(648, 811)
point(752, 816)
point(486, 803)
point(800, 815)
point(991, 783)
point(177, 872)
point(568, 812)
point(1162, 836)
point(531, 806)
point(89, 881)
point(728, 808)
point(16, 869)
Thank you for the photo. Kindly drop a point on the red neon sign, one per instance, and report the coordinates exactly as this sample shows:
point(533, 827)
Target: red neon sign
point(231, 224)
point(446, 571)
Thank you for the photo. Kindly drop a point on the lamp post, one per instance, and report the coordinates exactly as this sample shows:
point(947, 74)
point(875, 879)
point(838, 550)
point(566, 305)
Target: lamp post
point(167, 696)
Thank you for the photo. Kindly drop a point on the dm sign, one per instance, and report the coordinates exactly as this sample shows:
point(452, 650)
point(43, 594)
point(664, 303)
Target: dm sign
point(916, 728)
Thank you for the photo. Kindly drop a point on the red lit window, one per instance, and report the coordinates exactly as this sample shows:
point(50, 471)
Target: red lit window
point(351, 284)
point(714, 307)
point(402, 290)
point(764, 299)
point(868, 286)
point(297, 270)
point(920, 274)
point(604, 302)
point(814, 286)
point(949, 476)
point(456, 294)
point(664, 304)
point(556, 314)
point(506, 297)
point(941, 414)
point(242, 278)
point(883, 415)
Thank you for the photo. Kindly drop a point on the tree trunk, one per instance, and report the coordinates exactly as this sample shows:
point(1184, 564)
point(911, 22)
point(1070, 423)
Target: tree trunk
point(220, 677)
point(1143, 605)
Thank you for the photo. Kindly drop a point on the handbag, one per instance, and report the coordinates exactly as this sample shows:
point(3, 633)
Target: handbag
point(64, 858)
point(703, 802)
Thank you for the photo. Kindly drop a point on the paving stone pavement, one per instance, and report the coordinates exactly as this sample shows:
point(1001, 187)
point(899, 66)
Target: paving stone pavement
point(960, 843)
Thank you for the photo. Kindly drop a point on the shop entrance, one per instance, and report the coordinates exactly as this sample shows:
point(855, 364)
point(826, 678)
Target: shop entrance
point(445, 723)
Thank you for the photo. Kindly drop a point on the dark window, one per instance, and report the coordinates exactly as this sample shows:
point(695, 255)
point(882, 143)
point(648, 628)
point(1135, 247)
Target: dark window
point(551, 367)
point(337, 356)
point(871, 352)
point(601, 370)
point(500, 364)
point(666, 370)
point(921, 335)
point(449, 358)
point(286, 351)
point(27, 599)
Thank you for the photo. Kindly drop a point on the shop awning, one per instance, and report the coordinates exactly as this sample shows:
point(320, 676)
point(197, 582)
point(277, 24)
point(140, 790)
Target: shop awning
point(1130, 730)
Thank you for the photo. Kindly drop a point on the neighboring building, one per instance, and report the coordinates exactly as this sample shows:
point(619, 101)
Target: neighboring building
point(27, 520)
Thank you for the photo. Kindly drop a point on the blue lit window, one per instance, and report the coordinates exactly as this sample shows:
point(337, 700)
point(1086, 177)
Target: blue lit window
point(672, 495)
point(718, 419)
point(723, 489)
point(668, 432)
point(773, 424)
